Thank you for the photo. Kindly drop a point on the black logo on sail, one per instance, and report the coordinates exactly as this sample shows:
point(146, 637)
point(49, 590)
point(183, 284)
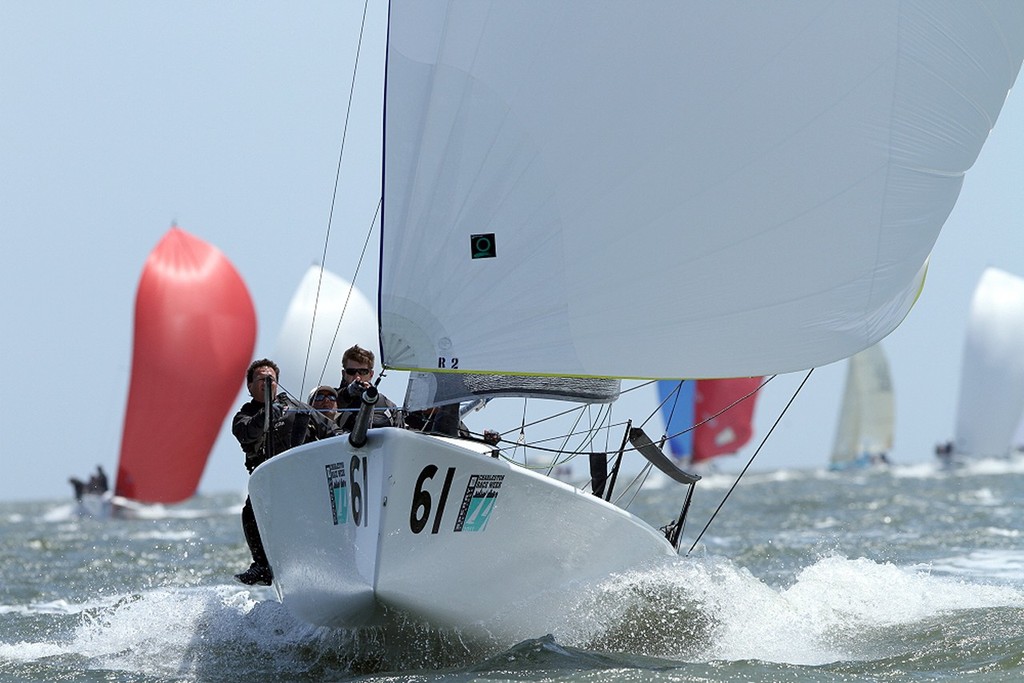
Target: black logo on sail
point(482, 246)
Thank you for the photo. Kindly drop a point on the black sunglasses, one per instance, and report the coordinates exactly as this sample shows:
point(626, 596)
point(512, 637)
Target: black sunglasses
point(351, 372)
point(325, 397)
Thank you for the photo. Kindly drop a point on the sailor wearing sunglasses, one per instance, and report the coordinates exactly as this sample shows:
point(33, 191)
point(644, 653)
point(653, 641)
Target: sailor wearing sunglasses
point(356, 375)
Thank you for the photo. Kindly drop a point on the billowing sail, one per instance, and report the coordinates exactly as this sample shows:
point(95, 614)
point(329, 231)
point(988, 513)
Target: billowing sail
point(725, 413)
point(195, 330)
point(991, 399)
point(709, 417)
point(748, 189)
point(326, 315)
point(867, 414)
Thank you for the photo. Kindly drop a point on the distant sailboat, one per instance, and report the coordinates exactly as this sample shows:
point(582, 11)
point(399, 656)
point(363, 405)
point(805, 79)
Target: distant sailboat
point(708, 418)
point(991, 399)
point(1018, 437)
point(309, 351)
point(864, 435)
point(195, 330)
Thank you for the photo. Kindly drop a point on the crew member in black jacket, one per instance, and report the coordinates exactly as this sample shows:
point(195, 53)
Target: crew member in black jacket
point(263, 436)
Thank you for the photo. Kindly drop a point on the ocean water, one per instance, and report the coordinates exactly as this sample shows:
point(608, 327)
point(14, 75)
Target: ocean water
point(912, 574)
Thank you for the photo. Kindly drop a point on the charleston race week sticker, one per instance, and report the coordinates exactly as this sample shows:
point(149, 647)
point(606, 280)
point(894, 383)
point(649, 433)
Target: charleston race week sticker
point(339, 492)
point(478, 501)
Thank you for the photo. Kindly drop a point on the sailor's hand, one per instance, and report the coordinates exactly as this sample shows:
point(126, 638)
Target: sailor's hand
point(491, 437)
point(355, 388)
point(276, 411)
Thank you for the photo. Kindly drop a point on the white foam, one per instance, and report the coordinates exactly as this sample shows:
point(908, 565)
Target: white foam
point(157, 630)
point(164, 535)
point(830, 613)
point(61, 513)
point(1004, 565)
point(57, 607)
point(1009, 465)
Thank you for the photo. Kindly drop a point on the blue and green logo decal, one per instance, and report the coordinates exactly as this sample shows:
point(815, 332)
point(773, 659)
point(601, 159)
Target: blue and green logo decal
point(339, 492)
point(478, 501)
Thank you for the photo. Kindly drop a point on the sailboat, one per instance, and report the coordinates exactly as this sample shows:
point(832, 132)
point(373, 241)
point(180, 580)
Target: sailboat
point(325, 316)
point(617, 190)
point(864, 434)
point(1018, 437)
point(194, 334)
point(991, 398)
point(708, 418)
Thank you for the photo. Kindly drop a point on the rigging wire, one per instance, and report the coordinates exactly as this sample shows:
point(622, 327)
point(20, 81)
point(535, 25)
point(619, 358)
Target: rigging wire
point(604, 423)
point(676, 393)
point(348, 296)
point(634, 486)
point(334, 200)
point(726, 409)
point(521, 440)
point(749, 462)
point(564, 448)
point(535, 446)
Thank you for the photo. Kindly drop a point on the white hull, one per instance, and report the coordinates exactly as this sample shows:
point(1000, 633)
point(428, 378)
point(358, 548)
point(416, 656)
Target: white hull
point(97, 505)
point(108, 506)
point(435, 530)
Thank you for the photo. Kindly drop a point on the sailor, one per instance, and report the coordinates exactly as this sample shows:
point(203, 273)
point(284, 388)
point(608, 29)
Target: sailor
point(356, 373)
point(263, 436)
point(98, 481)
point(97, 484)
point(79, 486)
point(324, 400)
point(324, 407)
point(944, 451)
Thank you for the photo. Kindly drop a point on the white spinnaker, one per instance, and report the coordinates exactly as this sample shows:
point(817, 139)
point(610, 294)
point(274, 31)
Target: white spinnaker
point(699, 189)
point(991, 398)
point(329, 341)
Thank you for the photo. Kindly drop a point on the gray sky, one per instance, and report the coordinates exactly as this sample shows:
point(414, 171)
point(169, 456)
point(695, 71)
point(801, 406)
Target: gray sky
point(119, 118)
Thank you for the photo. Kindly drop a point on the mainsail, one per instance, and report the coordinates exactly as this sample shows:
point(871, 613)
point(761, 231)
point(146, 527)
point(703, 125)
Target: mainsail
point(709, 417)
point(716, 190)
point(991, 399)
point(867, 413)
point(195, 329)
point(326, 315)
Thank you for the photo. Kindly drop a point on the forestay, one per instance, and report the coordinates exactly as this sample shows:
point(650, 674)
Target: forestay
point(699, 189)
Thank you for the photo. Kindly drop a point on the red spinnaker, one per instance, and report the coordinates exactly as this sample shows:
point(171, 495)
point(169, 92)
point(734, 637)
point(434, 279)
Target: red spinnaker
point(195, 331)
point(728, 432)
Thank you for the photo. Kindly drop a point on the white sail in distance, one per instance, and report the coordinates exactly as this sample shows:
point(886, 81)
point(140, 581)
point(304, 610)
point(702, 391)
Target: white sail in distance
point(343, 317)
point(867, 415)
point(991, 397)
